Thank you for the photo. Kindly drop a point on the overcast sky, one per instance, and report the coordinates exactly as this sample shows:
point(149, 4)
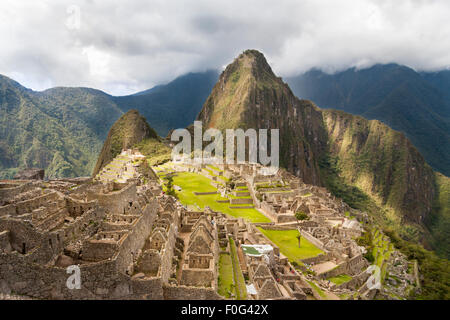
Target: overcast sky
point(126, 46)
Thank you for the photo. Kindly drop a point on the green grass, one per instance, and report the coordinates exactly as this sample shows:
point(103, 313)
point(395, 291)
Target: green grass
point(215, 168)
point(193, 182)
point(439, 219)
point(223, 178)
point(250, 250)
point(318, 290)
point(344, 296)
point(241, 289)
point(343, 278)
point(225, 279)
point(287, 241)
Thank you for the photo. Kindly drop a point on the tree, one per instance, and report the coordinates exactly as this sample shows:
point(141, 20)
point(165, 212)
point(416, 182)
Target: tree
point(300, 215)
point(299, 238)
point(169, 186)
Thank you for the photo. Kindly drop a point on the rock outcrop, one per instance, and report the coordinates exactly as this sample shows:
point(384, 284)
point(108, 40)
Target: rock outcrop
point(249, 95)
point(30, 174)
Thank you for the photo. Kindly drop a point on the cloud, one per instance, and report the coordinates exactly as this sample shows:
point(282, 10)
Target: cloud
point(126, 46)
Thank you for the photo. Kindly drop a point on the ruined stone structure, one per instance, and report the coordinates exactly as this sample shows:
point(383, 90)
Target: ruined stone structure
point(120, 233)
point(132, 241)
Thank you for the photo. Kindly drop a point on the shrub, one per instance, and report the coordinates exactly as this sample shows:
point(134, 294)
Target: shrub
point(300, 215)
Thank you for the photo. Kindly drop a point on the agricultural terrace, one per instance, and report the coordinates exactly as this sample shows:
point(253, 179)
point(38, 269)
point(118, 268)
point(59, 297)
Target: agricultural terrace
point(382, 250)
point(287, 241)
point(190, 183)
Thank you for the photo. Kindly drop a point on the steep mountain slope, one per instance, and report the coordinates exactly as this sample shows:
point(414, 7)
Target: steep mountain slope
point(439, 220)
point(58, 129)
point(364, 161)
point(441, 81)
point(130, 129)
point(416, 104)
point(62, 129)
point(383, 164)
point(249, 95)
point(174, 105)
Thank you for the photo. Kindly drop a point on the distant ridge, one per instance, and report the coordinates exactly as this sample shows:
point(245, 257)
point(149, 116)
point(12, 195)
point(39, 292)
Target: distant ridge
point(417, 104)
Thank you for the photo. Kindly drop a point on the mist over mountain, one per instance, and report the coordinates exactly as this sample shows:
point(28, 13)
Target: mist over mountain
point(417, 104)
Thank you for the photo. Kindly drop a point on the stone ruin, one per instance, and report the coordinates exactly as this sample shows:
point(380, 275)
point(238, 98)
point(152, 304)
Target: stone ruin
point(123, 236)
point(30, 174)
point(131, 241)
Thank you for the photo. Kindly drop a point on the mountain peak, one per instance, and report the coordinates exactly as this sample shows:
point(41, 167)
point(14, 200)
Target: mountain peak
point(252, 63)
point(130, 129)
point(249, 95)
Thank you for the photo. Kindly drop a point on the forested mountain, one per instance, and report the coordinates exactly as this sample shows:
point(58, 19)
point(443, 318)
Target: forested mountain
point(62, 129)
point(417, 104)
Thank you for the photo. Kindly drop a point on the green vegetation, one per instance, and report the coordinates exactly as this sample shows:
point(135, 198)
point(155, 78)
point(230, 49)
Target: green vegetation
point(369, 167)
point(225, 278)
point(241, 289)
point(193, 182)
point(439, 219)
point(156, 152)
point(169, 186)
point(316, 288)
point(60, 130)
point(287, 241)
point(215, 168)
point(434, 271)
point(130, 129)
point(404, 99)
point(343, 278)
point(300, 215)
point(250, 250)
point(379, 249)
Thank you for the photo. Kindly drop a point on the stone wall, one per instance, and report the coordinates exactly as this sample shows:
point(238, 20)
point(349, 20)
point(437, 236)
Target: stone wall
point(98, 281)
point(10, 190)
point(136, 237)
point(313, 240)
point(241, 201)
point(167, 255)
point(116, 201)
point(190, 293)
point(197, 277)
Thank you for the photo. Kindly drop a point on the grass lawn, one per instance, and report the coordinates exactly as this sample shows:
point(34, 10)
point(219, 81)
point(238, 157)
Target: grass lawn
point(343, 278)
point(287, 241)
point(193, 182)
point(225, 280)
point(241, 289)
